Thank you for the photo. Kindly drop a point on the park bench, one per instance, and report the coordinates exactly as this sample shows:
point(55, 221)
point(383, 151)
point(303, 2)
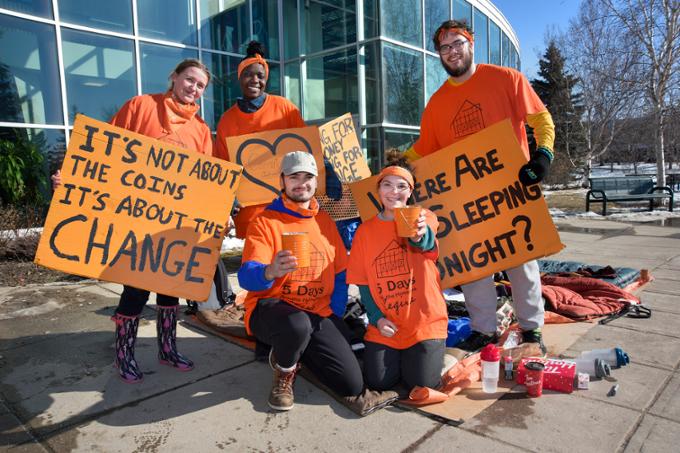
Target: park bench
point(626, 188)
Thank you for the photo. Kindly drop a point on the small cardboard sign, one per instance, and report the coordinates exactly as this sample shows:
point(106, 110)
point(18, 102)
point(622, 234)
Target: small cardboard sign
point(138, 211)
point(488, 220)
point(340, 145)
point(261, 154)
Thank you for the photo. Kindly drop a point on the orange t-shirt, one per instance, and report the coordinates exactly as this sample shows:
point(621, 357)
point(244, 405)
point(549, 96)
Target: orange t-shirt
point(492, 94)
point(403, 280)
point(307, 288)
point(276, 113)
point(147, 115)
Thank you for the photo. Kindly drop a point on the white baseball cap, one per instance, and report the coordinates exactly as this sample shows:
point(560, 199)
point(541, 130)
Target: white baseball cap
point(298, 161)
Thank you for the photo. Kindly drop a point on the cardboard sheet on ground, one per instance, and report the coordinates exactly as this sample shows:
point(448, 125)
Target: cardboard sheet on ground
point(488, 220)
point(471, 401)
point(340, 145)
point(261, 154)
point(138, 211)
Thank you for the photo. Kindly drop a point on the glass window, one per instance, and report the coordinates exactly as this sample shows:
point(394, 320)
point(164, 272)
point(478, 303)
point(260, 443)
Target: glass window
point(168, 20)
point(372, 79)
point(266, 26)
point(402, 20)
point(274, 81)
point(157, 64)
point(328, 26)
point(223, 89)
point(403, 91)
point(29, 74)
point(506, 50)
point(461, 10)
point(436, 75)
point(115, 15)
point(224, 25)
point(371, 19)
point(481, 37)
point(372, 147)
point(400, 138)
point(42, 8)
point(494, 43)
point(331, 85)
point(290, 29)
point(51, 143)
point(436, 12)
point(100, 73)
point(515, 59)
point(292, 82)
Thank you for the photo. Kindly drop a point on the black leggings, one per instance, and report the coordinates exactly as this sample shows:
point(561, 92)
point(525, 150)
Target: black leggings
point(299, 336)
point(421, 364)
point(132, 301)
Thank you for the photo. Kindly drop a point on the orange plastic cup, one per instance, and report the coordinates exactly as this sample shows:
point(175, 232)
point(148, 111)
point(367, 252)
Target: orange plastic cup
point(298, 243)
point(406, 218)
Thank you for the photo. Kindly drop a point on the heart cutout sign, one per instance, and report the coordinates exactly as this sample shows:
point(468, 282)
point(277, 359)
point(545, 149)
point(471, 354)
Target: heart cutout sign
point(261, 154)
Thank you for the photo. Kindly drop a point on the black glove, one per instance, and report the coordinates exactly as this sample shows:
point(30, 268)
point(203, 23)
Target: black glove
point(333, 184)
point(536, 170)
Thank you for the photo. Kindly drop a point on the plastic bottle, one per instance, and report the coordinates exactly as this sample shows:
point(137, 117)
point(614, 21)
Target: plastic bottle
point(597, 368)
point(615, 357)
point(491, 358)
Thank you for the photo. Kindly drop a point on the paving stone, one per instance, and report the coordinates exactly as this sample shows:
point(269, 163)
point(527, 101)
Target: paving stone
point(661, 323)
point(660, 301)
point(450, 438)
point(668, 404)
point(655, 435)
point(234, 416)
point(666, 286)
point(666, 273)
point(14, 434)
point(544, 425)
point(116, 288)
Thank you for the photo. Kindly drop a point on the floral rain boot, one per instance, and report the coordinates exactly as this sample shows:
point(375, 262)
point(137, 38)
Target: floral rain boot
point(126, 335)
point(166, 328)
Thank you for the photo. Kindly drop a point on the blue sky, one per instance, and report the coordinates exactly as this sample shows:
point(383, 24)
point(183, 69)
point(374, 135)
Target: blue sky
point(531, 19)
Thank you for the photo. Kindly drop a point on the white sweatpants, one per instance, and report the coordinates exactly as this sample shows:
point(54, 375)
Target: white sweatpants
point(480, 299)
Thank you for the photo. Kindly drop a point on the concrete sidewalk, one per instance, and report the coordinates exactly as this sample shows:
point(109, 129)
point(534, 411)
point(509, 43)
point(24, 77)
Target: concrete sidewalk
point(60, 393)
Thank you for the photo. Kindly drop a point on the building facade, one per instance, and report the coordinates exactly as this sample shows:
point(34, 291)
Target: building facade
point(373, 58)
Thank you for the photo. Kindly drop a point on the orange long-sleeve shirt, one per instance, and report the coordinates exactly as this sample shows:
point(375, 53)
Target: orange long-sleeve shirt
point(147, 115)
point(276, 113)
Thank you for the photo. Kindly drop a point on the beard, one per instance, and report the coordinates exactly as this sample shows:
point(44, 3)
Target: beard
point(460, 70)
point(299, 197)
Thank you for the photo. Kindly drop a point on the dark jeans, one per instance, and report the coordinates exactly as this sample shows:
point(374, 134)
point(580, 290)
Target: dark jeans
point(421, 364)
point(319, 343)
point(132, 301)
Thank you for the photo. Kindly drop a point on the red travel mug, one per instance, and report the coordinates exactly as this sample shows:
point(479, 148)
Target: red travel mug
point(534, 379)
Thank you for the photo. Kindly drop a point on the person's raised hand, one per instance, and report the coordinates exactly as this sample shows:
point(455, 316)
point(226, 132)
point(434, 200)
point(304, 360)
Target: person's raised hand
point(386, 327)
point(421, 225)
point(56, 180)
point(283, 263)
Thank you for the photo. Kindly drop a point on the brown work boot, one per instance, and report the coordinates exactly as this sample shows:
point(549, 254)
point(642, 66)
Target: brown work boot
point(370, 401)
point(281, 396)
point(228, 319)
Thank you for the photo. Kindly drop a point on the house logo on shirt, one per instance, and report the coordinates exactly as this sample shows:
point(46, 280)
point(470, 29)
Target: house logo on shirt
point(317, 263)
point(392, 262)
point(468, 120)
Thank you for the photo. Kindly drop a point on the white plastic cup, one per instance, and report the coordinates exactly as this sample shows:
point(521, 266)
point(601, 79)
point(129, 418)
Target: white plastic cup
point(490, 372)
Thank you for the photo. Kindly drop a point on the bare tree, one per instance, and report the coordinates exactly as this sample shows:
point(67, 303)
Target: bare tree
point(593, 50)
point(655, 26)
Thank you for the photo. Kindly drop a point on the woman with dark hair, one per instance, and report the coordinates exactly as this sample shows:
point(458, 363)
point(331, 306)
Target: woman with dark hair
point(399, 286)
point(170, 117)
point(255, 111)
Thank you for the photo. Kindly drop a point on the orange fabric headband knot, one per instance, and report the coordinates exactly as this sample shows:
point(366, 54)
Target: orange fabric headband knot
point(248, 61)
point(394, 170)
point(459, 31)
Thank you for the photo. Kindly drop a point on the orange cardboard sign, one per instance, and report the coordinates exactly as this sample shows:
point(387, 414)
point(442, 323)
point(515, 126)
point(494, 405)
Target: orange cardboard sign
point(261, 154)
point(340, 145)
point(488, 220)
point(138, 211)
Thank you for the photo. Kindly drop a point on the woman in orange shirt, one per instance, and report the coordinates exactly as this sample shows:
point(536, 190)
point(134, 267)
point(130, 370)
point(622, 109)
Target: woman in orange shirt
point(170, 117)
point(399, 285)
point(255, 111)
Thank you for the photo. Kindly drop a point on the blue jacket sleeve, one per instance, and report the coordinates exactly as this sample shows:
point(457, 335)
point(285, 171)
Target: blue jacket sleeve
point(251, 277)
point(372, 310)
point(339, 296)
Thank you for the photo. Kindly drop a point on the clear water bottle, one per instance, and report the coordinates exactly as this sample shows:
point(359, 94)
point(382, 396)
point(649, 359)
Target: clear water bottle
point(491, 358)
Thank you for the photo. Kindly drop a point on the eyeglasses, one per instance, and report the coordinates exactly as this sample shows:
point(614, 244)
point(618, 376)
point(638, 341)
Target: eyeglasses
point(387, 187)
point(445, 49)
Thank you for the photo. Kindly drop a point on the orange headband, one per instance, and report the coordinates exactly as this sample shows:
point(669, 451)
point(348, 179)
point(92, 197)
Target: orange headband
point(394, 170)
point(460, 31)
point(248, 61)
